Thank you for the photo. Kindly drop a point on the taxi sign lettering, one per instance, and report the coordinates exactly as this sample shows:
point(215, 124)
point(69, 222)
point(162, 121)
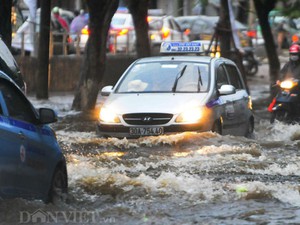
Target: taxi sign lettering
point(181, 47)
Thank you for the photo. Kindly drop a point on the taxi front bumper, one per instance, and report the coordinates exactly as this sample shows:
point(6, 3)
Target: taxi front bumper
point(121, 131)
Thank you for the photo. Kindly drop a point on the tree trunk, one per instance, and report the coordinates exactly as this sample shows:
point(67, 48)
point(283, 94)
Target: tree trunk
point(139, 12)
point(224, 30)
point(43, 51)
point(5, 21)
point(263, 8)
point(243, 11)
point(226, 40)
point(94, 59)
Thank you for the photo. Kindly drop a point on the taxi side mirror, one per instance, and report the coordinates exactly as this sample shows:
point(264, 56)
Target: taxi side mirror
point(105, 91)
point(227, 89)
point(47, 116)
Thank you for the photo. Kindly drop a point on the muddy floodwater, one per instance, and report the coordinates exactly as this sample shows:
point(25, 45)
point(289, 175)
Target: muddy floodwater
point(187, 178)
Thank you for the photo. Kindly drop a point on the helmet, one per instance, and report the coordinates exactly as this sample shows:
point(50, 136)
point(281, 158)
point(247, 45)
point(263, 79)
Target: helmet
point(294, 49)
point(55, 10)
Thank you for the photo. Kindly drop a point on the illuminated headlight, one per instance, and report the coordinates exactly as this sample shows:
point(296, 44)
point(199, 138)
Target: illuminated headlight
point(287, 84)
point(108, 116)
point(250, 103)
point(190, 116)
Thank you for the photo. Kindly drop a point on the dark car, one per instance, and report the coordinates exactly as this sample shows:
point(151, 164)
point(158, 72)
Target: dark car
point(9, 66)
point(203, 27)
point(32, 165)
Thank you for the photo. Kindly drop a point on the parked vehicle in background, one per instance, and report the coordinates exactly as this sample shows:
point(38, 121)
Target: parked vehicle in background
point(122, 37)
point(121, 33)
point(203, 28)
point(32, 165)
point(164, 28)
point(196, 27)
point(290, 25)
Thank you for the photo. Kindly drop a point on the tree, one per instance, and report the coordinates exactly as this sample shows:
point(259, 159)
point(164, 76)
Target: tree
point(43, 51)
point(263, 7)
point(291, 8)
point(5, 21)
point(224, 32)
point(94, 59)
point(242, 9)
point(139, 12)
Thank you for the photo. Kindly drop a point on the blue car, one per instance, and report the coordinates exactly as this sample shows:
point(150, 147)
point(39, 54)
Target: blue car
point(32, 165)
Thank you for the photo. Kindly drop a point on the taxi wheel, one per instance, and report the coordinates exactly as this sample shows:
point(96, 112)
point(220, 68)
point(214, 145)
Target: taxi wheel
point(59, 186)
point(217, 128)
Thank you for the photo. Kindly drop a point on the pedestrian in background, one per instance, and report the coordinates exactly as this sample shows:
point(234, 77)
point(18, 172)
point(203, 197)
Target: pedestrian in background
point(281, 35)
point(78, 23)
point(59, 23)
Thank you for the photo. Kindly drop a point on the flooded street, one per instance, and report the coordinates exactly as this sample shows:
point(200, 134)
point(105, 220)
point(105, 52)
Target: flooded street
point(188, 178)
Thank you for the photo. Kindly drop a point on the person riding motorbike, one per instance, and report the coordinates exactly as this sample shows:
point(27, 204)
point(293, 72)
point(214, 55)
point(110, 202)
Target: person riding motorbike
point(292, 68)
point(285, 104)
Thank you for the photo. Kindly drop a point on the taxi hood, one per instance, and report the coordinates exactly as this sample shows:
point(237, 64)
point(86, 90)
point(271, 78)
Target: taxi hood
point(154, 102)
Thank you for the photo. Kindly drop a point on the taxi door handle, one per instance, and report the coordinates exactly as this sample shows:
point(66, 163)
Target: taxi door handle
point(22, 136)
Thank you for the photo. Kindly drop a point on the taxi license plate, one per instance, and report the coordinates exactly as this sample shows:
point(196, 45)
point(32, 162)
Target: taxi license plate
point(146, 131)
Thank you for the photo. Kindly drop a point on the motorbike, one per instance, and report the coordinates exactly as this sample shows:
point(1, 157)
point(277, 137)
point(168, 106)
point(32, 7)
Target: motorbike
point(250, 62)
point(285, 107)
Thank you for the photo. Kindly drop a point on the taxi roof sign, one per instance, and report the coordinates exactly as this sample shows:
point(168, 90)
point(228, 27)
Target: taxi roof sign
point(181, 47)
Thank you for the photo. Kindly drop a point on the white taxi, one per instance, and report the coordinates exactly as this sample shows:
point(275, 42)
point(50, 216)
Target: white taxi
point(176, 93)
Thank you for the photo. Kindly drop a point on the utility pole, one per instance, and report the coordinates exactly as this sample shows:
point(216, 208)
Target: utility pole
point(43, 51)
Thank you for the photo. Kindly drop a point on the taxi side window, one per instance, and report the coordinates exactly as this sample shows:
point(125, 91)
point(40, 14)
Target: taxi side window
point(17, 105)
point(221, 77)
point(234, 77)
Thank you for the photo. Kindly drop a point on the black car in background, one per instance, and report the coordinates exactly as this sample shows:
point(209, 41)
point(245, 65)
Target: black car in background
point(203, 27)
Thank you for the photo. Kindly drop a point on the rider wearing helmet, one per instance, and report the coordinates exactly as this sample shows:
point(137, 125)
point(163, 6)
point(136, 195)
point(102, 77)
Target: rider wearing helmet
point(292, 68)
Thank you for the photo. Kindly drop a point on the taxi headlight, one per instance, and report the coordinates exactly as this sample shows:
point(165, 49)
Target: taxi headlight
point(288, 84)
point(108, 116)
point(192, 115)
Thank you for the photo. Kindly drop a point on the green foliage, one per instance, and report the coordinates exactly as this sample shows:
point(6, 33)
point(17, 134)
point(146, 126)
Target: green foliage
point(204, 2)
point(290, 8)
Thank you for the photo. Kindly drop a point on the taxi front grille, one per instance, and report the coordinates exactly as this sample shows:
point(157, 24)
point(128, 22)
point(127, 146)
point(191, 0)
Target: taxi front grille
point(147, 118)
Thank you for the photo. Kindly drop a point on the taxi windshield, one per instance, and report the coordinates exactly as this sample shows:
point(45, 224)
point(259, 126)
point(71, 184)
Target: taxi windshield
point(189, 77)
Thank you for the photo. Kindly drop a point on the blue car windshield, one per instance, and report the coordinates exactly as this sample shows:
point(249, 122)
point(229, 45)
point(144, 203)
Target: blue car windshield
point(190, 77)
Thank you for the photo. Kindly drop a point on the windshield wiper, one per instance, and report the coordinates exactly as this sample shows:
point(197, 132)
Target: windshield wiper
point(178, 76)
point(199, 79)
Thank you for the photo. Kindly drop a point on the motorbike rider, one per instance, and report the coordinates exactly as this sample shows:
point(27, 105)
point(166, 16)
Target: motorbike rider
point(292, 68)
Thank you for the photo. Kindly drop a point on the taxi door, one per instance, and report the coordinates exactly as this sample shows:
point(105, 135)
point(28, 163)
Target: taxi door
point(31, 159)
point(40, 160)
point(226, 107)
point(11, 153)
point(240, 99)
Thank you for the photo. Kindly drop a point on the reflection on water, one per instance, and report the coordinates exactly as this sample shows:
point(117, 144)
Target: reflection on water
point(186, 178)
